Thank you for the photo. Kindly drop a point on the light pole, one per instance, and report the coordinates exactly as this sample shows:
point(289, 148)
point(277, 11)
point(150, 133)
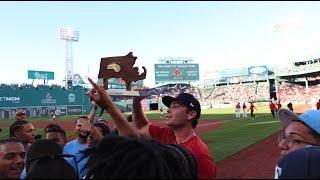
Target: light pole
point(69, 35)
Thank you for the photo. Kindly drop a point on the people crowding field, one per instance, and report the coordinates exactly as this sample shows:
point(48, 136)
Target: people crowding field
point(137, 148)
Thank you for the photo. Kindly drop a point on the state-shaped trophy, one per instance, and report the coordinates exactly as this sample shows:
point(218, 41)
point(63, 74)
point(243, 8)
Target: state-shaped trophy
point(122, 67)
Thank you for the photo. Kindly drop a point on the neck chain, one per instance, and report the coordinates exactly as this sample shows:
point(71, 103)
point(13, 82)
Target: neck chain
point(188, 138)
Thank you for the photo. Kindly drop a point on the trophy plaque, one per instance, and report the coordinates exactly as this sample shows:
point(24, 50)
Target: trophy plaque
point(122, 67)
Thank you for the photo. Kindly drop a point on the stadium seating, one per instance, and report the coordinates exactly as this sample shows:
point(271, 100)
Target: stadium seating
point(289, 92)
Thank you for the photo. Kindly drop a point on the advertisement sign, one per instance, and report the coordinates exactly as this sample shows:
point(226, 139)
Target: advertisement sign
point(74, 110)
point(176, 72)
point(258, 70)
point(47, 75)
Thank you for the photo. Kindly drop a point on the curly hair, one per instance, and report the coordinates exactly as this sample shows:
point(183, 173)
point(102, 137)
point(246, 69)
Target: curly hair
point(135, 157)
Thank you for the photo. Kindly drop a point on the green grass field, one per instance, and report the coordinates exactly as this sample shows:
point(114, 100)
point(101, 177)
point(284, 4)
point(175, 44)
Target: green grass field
point(232, 137)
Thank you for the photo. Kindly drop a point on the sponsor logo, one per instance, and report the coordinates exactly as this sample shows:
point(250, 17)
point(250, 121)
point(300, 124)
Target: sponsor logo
point(38, 75)
point(48, 99)
point(71, 98)
point(258, 70)
point(12, 99)
point(57, 112)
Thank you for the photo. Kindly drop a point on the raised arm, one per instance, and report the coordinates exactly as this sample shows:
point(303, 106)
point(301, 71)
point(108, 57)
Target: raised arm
point(93, 111)
point(140, 121)
point(103, 100)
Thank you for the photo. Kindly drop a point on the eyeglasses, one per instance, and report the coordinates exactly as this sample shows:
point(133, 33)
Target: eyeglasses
point(57, 156)
point(291, 140)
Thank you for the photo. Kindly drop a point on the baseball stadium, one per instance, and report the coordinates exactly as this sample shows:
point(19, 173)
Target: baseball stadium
point(241, 147)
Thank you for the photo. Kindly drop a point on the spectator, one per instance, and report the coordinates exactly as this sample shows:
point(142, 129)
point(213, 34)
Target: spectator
point(299, 131)
point(300, 164)
point(57, 135)
point(103, 129)
point(78, 145)
point(51, 125)
point(188, 139)
point(318, 105)
point(272, 107)
point(45, 161)
point(139, 158)
point(12, 154)
point(24, 131)
point(20, 115)
point(290, 106)
point(182, 117)
point(51, 167)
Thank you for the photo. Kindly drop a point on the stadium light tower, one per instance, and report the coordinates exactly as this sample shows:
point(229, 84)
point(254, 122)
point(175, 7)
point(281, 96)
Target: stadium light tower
point(69, 35)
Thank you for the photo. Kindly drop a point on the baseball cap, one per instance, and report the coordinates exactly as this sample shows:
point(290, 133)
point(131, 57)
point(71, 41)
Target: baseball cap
point(311, 118)
point(302, 163)
point(103, 124)
point(186, 99)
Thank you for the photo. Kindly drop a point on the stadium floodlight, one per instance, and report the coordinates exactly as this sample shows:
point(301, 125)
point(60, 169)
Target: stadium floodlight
point(69, 35)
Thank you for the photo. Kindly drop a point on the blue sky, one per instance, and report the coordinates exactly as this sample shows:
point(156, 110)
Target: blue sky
point(215, 34)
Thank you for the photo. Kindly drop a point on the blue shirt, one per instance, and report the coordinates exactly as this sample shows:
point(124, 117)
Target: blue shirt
point(23, 174)
point(75, 148)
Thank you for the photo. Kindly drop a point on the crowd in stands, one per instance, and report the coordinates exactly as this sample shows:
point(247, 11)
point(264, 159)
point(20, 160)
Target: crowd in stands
point(289, 92)
point(227, 94)
point(236, 92)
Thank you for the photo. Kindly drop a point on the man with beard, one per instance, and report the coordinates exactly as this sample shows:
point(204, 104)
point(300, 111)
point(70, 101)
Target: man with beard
point(12, 153)
point(78, 145)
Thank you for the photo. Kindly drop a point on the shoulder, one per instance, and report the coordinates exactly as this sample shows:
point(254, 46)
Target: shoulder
point(158, 128)
point(198, 147)
point(164, 134)
point(71, 143)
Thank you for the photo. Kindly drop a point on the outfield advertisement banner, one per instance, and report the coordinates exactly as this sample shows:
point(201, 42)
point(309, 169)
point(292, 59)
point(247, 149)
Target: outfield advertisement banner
point(42, 102)
point(74, 110)
point(176, 72)
point(47, 75)
point(43, 97)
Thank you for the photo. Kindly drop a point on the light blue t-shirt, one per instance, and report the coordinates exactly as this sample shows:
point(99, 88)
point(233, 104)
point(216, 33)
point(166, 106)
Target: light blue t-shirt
point(23, 174)
point(75, 148)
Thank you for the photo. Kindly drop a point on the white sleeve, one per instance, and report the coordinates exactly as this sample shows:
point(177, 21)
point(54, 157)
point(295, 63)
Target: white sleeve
point(277, 172)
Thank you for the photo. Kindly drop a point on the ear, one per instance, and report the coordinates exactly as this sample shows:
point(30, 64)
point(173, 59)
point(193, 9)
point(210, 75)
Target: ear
point(17, 134)
point(192, 114)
